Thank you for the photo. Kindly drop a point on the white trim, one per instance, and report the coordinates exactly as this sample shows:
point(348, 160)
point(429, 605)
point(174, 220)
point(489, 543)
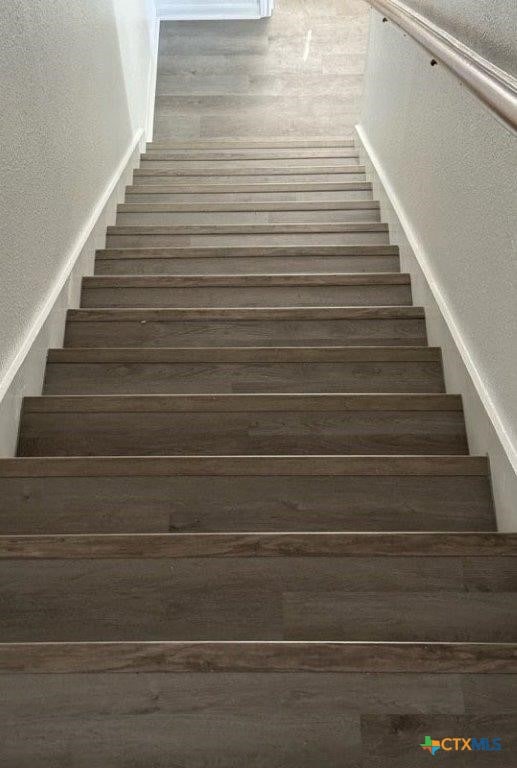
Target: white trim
point(62, 277)
point(266, 8)
point(419, 252)
point(151, 84)
point(211, 10)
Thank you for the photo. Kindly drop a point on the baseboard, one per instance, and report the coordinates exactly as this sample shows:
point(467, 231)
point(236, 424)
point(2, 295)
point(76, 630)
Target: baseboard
point(24, 376)
point(209, 10)
point(485, 429)
point(153, 71)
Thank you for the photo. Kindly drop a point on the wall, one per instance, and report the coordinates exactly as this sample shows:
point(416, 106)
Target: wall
point(75, 85)
point(489, 27)
point(448, 169)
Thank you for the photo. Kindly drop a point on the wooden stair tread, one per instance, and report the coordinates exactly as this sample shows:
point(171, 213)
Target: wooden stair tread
point(265, 170)
point(285, 544)
point(273, 143)
point(272, 355)
point(241, 403)
point(326, 205)
point(308, 465)
point(249, 280)
point(214, 187)
point(228, 155)
point(241, 313)
point(253, 656)
point(246, 251)
point(260, 229)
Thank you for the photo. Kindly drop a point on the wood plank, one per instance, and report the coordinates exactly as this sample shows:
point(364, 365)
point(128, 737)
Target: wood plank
point(272, 355)
point(258, 598)
point(237, 170)
point(400, 616)
point(273, 143)
point(247, 229)
point(146, 291)
point(238, 260)
point(213, 466)
point(187, 545)
point(241, 313)
point(152, 501)
point(248, 187)
point(243, 281)
point(242, 424)
point(248, 251)
point(325, 205)
point(242, 403)
point(269, 656)
point(152, 373)
point(171, 155)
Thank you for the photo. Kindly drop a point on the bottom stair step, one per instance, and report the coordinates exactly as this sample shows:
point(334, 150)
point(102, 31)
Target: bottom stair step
point(161, 705)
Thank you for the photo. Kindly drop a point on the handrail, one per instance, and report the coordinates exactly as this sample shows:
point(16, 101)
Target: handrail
point(496, 88)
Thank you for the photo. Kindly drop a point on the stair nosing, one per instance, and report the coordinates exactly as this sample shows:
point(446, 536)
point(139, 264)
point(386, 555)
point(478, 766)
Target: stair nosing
point(200, 314)
point(259, 355)
point(252, 280)
point(96, 546)
point(272, 207)
point(194, 252)
point(238, 403)
point(265, 170)
point(225, 188)
point(258, 656)
point(313, 465)
point(246, 229)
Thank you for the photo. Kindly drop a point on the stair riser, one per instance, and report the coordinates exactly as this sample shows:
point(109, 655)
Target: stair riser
point(279, 432)
point(272, 296)
point(245, 217)
point(171, 197)
point(242, 265)
point(254, 598)
point(159, 504)
point(245, 239)
point(231, 333)
point(177, 378)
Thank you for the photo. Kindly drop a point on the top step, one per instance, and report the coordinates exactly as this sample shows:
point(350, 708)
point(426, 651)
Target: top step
point(280, 143)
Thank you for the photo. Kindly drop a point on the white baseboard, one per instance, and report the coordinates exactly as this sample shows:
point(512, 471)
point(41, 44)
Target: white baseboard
point(210, 10)
point(153, 71)
point(24, 375)
point(485, 429)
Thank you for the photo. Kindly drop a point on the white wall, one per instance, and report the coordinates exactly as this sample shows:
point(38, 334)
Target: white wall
point(74, 91)
point(489, 27)
point(448, 168)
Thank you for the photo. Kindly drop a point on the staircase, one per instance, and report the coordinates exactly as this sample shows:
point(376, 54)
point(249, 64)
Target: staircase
point(245, 463)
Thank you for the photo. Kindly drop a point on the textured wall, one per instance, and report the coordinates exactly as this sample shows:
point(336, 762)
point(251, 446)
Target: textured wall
point(451, 168)
point(489, 27)
point(73, 89)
